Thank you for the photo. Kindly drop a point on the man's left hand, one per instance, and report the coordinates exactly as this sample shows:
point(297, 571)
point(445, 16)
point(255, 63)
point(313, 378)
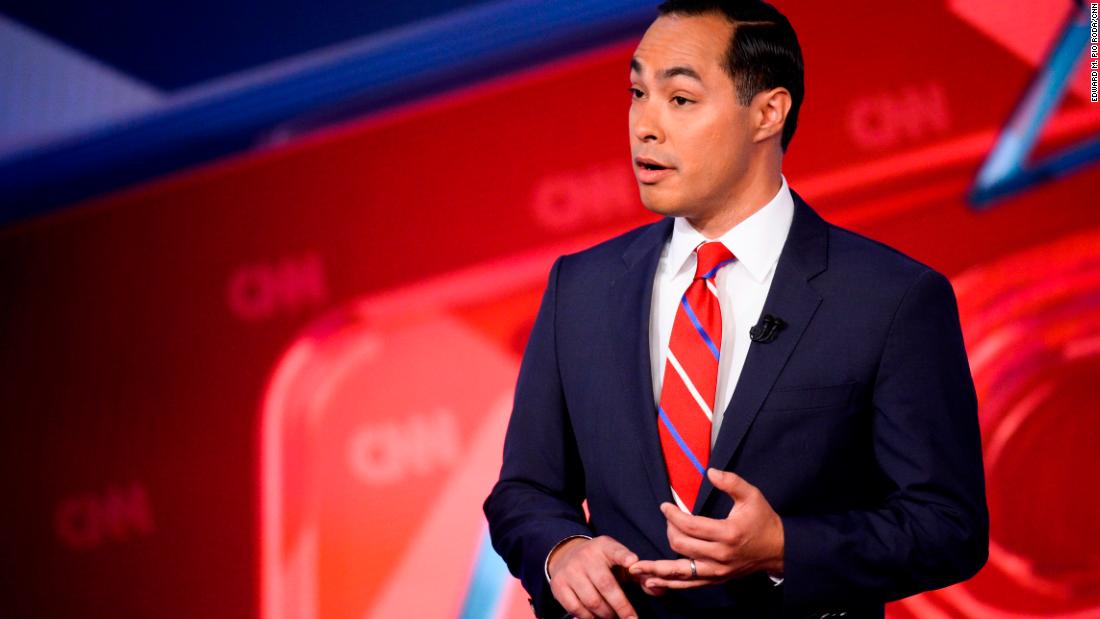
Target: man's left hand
point(750, 539)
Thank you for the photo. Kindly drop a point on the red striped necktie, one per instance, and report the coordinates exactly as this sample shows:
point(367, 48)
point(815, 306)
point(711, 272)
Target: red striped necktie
point(691, 377)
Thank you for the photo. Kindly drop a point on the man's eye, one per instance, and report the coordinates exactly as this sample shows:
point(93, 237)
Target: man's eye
point(637, 93)
point(681, 101)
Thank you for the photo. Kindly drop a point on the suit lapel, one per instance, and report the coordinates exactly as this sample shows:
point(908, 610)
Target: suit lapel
point(632, 293)
point(791, 298)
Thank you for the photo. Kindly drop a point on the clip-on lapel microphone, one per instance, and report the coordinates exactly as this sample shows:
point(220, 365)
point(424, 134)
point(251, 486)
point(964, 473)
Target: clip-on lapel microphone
point(766, 330)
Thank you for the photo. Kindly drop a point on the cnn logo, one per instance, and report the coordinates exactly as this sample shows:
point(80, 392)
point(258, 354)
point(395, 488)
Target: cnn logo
point(120, 513)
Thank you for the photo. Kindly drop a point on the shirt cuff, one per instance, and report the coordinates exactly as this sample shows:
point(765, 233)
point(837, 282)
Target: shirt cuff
point(546, 563)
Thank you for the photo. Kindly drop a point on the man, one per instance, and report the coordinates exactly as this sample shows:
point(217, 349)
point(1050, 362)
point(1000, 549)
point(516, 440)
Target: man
point(768, 415)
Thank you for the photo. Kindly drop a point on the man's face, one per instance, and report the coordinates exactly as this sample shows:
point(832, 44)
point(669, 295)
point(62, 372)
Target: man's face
point(684, 116)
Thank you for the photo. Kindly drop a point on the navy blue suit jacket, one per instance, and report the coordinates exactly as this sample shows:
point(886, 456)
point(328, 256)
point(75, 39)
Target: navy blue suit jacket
point(858, 422)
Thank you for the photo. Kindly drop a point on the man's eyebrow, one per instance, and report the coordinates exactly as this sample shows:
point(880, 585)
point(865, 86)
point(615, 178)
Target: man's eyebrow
point(668, 73)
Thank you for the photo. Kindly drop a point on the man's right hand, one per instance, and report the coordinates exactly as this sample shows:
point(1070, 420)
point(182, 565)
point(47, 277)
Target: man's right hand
point(583, 578)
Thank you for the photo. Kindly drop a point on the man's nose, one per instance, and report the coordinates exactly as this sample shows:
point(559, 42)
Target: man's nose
point(647, 127)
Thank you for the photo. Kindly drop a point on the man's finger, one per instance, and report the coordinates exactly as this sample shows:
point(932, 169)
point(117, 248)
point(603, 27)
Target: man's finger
point(619, 554)
point(676, 569)
point(653, 591)
point(570, 603)
point(591, 599)
point(610, 590)
point(675, 584)
point(643, 569)
point(696, 548)
point(731, 483)
point(699, 527)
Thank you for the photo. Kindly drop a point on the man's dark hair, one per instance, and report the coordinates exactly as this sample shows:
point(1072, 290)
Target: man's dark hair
point(763, 51)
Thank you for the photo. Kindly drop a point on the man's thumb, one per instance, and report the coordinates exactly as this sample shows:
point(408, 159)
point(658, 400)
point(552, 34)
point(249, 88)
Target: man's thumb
point(620, 554)
point(730, 483)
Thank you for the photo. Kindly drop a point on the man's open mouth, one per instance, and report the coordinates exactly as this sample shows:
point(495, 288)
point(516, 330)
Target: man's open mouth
point(649, 164)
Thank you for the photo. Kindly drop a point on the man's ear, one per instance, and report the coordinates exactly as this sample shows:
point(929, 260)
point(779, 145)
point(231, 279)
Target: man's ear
point(770, 108)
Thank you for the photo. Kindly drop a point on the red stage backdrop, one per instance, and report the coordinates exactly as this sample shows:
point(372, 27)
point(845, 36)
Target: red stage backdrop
point(277, 385)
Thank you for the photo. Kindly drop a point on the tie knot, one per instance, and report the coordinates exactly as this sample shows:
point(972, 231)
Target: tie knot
point(710, 257)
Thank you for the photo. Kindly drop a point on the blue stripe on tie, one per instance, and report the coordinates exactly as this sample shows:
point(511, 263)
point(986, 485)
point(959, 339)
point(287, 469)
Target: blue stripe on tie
point(709, 274)
point(699, 326)
point(680, 441)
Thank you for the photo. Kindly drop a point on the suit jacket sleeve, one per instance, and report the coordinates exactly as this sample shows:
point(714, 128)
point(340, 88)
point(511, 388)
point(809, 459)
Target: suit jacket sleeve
point(537, 501)
point(933, 529)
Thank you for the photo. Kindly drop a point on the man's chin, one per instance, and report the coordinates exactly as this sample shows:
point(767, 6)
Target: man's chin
point(662, 205)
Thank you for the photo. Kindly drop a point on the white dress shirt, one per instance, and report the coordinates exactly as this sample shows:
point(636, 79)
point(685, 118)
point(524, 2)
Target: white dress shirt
point(742, 287)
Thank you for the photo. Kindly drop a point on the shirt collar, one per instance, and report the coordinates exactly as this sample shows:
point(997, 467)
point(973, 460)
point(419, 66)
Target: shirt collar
point(756, 242)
